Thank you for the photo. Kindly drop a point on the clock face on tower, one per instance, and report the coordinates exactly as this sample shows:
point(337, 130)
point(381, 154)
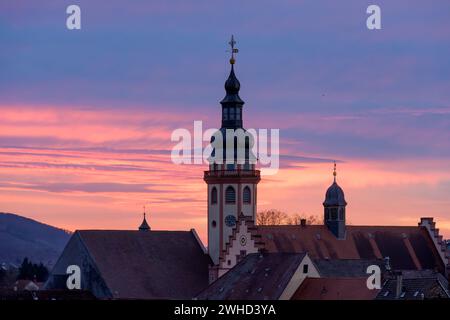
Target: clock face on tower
point(230, 220)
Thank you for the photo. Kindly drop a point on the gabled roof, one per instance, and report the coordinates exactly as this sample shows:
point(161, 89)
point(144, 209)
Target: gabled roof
point(29, 285)
point(334, 289)
point(148, 265)
point(257, 277)
point(408, 247)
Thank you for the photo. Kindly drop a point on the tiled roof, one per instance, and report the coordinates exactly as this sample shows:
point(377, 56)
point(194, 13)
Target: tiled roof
point(9, 294)
point(416, 285)
point(148, 265)
point(408, 247)
point(346, 268)
point(30, 285)
point(256, 277)
point(334, 289)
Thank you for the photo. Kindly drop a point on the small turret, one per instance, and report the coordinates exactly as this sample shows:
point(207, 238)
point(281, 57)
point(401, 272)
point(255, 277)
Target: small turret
point(144, 225)
point(334, 208)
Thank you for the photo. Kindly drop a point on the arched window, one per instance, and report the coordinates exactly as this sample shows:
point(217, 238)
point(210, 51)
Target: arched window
point(230, 195)
point(334, 213)
point(341, 214)
point(225, 113)
point(247, 195)
point(232, 113)
point(214, 195)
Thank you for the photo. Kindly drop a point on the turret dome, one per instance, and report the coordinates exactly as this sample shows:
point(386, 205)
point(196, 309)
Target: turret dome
point(334, 196)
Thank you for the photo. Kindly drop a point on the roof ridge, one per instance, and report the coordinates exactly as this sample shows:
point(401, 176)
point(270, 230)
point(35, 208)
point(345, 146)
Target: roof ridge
point(348, 226)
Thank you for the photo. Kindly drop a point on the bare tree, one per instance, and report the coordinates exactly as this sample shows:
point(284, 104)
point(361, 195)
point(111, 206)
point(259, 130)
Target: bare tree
point(271, 217)
point(297, 218)
point(277, 217)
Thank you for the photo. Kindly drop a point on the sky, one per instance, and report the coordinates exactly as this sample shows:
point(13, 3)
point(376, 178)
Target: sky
point(86, 115)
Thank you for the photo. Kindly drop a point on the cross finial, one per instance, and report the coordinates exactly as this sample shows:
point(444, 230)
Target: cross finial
point(233, 50)
point(144, 211)
point(334, 171)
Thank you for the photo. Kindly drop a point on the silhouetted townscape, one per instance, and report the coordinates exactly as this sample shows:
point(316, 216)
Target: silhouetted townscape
point(302, 260)
point(224, 159)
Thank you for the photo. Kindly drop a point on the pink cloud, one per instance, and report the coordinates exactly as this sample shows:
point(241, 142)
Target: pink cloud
point(104, 177)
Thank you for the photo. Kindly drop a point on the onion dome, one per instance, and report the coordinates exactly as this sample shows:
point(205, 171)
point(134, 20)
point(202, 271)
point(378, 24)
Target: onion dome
point(335, 194)
point(232, 86)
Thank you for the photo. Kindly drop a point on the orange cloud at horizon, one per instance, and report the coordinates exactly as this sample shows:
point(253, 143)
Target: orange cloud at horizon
point(91, 169)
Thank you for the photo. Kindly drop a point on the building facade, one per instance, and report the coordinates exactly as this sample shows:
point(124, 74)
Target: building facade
point(232, 178)
point(248, 261)
point(233, 234)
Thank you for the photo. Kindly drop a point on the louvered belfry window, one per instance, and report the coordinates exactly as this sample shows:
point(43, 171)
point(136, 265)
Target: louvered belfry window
point(214, 195)
point(230, 195)
point(247, 195)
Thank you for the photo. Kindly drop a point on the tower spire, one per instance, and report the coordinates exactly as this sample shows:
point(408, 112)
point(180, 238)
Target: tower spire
point(144, 225)
point(227, 172)
point(233, 50)
point(334, 171)
point(232, 103)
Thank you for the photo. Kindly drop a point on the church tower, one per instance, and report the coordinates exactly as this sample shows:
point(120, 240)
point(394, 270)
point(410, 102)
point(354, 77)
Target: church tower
point(232, 179)
point(334, 209)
